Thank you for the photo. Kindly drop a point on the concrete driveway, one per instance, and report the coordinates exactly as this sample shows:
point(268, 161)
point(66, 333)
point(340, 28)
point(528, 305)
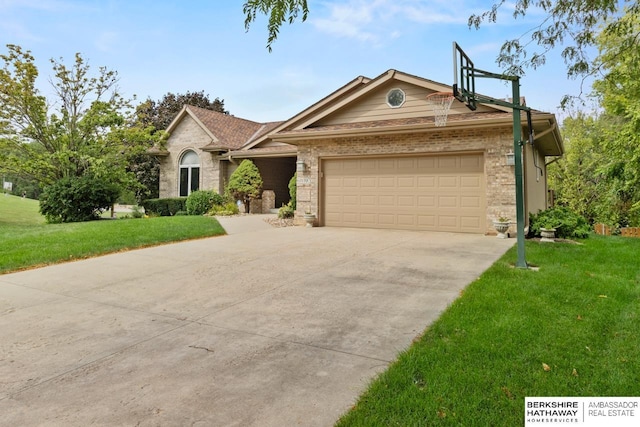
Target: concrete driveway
point(273, 327)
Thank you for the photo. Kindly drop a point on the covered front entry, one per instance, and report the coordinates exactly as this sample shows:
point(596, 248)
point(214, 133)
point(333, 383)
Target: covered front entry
point(426, 192)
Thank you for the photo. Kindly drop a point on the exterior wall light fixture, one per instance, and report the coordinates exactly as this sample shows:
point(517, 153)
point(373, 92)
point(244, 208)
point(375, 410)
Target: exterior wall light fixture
point(511, 160)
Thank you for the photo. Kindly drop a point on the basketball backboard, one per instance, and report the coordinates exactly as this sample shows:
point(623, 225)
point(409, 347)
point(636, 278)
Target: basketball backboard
point(464, 84)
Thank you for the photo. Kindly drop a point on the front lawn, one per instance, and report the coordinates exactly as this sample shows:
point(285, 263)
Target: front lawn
point(27, 241)
point(569, 329)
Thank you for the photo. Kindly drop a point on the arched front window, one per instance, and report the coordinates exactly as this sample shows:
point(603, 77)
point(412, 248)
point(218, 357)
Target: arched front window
point(189, 173)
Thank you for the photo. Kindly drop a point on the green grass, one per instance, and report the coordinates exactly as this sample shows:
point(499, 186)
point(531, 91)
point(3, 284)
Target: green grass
point(27, 241)
point(579, 314)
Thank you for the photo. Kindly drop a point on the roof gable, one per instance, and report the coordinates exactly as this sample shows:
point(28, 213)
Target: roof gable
point(292, 123)
point(364, 100)
point(364, 110)
point(370, 103)
point(226, 131)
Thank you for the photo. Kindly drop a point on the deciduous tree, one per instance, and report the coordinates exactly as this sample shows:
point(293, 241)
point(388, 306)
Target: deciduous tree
point(86, 128)
point(573, 25)
point(160, 114)
point(579, 177)
point(278, 11)
point(619, 92)
point(599, 176)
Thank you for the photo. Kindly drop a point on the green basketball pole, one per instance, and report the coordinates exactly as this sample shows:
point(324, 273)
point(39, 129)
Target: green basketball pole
point(517, 150)
point(464, 89)
point(517, 109)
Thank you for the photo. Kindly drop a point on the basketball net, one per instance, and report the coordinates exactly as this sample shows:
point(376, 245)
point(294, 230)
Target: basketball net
point(440, 103)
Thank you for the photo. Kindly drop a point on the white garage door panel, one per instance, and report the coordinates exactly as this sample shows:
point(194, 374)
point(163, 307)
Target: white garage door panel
point(423, 192)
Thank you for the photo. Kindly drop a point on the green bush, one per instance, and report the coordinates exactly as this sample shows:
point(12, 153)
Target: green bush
point(287, 211)
point(136, 212)
point(201, 201)
point(567, 223)
point(74, 199)
point(245, 183)
point(293, 188)
point(164, 207)
point(226, 209)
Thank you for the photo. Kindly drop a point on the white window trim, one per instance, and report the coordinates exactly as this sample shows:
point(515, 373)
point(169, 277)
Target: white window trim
point(404, 97)
point(189, 173)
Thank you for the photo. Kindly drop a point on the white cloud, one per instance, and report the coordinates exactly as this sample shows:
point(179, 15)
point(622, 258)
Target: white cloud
point(379, 20)
point(351, 20)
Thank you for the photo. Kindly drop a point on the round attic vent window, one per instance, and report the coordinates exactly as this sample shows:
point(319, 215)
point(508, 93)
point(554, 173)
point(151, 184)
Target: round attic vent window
point(395, 98)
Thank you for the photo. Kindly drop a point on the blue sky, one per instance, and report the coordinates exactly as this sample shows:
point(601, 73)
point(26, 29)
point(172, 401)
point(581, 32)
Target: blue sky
point(177, 46)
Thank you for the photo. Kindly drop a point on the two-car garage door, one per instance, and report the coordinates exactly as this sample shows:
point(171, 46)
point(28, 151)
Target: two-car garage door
point(443, 192)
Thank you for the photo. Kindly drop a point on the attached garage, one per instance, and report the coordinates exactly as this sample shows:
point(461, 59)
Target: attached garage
point(425, 192)
point(371, 155)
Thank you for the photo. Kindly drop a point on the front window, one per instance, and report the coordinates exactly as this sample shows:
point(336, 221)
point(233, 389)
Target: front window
point(189, 173)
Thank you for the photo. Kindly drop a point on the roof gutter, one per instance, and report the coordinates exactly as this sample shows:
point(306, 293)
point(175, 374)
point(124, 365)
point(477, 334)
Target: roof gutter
point(291, 138)
point(230, 156)
point(552, 129)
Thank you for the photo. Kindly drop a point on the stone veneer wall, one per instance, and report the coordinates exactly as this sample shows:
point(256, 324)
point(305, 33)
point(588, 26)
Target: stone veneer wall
point(188, 136)
point(494, 143)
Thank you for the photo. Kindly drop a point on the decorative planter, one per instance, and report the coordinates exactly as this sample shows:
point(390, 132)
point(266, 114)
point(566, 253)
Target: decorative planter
point(501, 228)
point(310, 219)
point(548, 235)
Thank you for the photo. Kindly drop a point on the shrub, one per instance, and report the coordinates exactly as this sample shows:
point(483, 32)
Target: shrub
point(78, 198)
point(567, 223)
point(226, 209)
point(164, 207)
point(136, 212)
point(287, 211)
point(245, 183)
point(201, 201)
point(293, 188)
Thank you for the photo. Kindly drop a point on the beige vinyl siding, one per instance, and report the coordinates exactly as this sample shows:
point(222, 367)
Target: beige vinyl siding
point(535, 181)
point(374, 106)
point(439, 193)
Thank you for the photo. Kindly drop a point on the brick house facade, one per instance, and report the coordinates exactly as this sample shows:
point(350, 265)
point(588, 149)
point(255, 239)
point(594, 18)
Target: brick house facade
point(371, 155)
point(217, 140)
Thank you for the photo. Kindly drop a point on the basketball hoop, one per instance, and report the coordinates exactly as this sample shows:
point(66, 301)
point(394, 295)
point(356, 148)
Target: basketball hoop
point(440, 103)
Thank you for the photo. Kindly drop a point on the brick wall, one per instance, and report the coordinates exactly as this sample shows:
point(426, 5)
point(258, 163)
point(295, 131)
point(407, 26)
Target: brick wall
point(494, 143)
